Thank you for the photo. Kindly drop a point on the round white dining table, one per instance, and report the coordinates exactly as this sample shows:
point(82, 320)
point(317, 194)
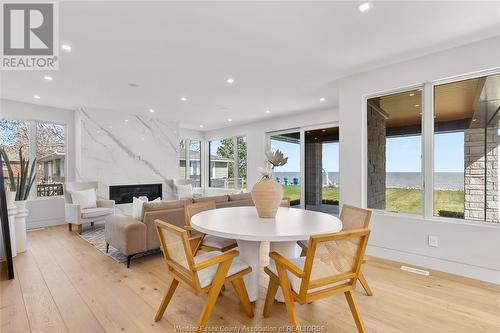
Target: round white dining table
point(249, 230)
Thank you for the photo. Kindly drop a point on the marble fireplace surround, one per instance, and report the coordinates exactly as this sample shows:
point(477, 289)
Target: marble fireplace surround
point(116, 148)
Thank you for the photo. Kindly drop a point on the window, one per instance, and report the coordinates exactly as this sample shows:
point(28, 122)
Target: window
point(194, 171)
point(182, 159)
point(228, 166)
point(242, 161)
point(50, 154)
point(466, 123)
point(394, 128)
point(288, 175)
point(49, 149)
point(190, 161)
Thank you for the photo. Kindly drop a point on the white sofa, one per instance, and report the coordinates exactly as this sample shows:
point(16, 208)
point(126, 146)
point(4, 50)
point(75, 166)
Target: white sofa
point(75, 215)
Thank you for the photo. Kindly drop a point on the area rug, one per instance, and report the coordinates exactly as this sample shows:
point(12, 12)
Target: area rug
point(96, 237)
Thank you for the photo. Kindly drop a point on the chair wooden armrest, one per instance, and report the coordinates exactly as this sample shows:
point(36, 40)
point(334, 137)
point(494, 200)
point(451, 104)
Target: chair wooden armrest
point(189, 228)
point(280, 260)
point(216, 260)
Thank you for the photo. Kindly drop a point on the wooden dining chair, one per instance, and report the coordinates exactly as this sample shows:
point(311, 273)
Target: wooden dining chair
point(209, 242)
point(202, 274)
point(332, 265)
point(352, 218)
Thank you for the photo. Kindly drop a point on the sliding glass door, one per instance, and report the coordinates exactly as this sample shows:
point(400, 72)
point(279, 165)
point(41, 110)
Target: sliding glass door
point(310, 179)
point(322, 170)
point(289, 175)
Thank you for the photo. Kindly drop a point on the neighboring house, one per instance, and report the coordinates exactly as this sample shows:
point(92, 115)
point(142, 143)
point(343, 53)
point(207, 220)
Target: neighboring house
point(219, 166)
point(51, 168)
point(15, 169)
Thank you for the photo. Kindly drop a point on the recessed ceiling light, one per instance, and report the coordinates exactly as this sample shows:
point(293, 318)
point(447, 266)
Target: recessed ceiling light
point(36, 96)
point(417, 105)
point(323, 130)
point(201, 126)
point(412, 94)
point(184, 99)
point(229, 119)
point(126, 120)
point(110, 127)
point(152, 110)
point(66, 47)
point(268, 111)
point(364, 6)
point(230, 80)
point(322, 99)
point(48, 78)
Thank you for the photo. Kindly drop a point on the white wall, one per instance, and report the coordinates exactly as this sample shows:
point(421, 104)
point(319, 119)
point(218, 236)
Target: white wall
point(256, 135)
point(191, 134)
point(45, 211)
point(464, 248)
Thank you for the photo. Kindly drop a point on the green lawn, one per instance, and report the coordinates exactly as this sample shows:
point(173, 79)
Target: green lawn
point(399, 199)
point(293, 193)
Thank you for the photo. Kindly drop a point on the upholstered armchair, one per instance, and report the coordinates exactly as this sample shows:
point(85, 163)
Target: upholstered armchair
point(76, 215)
point(180, 182)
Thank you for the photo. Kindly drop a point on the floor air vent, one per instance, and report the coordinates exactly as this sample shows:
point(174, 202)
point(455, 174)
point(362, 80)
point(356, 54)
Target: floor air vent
point(415, 270)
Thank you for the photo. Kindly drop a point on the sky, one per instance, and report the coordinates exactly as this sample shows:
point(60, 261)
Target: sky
point(403, 154)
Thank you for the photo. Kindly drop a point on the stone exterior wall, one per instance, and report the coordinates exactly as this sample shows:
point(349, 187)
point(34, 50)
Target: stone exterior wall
point(481, 174)
point(314, 177)
point(376, 159)
point(492, 174)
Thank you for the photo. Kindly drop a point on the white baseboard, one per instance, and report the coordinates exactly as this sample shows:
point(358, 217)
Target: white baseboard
point(457, 268)
point(45, 223)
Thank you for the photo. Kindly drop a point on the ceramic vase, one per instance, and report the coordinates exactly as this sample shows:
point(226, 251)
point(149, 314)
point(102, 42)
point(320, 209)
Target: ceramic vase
point(11, 211)
point(10, 196)
point(267, 195)
point(21, 215)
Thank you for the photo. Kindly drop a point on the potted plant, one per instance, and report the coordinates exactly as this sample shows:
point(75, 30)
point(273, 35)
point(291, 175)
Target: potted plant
point(23, 182)
point(267, 193)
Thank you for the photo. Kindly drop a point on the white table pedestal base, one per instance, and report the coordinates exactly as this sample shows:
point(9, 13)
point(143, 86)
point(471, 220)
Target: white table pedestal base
point(250, 254)
point(287, 250)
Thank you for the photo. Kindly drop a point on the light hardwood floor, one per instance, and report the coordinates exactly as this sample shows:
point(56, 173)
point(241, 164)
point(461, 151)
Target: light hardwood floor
point(64, 284)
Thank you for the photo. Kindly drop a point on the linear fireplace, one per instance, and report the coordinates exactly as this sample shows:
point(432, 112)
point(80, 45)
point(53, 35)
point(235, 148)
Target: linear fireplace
point(123, 194)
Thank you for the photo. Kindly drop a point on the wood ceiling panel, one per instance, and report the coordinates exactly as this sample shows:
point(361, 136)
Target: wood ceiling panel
point(453, 101)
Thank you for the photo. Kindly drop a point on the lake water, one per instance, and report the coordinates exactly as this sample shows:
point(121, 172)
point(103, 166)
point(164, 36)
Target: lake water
point(442, 180)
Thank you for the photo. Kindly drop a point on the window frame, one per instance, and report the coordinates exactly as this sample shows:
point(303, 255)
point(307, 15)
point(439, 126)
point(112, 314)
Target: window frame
point(427, 153)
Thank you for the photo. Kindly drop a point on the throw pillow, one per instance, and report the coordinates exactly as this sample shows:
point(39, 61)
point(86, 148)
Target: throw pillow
point(137, 204)
point(84, 198)
point(185, 191)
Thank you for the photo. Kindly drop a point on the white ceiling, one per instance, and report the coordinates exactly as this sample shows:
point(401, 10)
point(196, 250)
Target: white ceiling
point(284, 56)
